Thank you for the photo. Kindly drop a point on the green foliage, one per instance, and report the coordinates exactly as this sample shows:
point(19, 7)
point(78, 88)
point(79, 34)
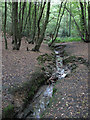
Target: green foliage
point(54, 11)
point(8, 112)
point(54, 90)
point(46, 57)
point(68, 39)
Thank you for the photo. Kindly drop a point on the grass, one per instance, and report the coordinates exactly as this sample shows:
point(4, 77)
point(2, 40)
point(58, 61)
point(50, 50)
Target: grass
point(8, 111)
point(68, 39)
point(65, 39)
point(54, 91)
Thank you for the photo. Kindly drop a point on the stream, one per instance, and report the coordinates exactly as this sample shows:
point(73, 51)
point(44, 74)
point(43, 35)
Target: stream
point(43, 96)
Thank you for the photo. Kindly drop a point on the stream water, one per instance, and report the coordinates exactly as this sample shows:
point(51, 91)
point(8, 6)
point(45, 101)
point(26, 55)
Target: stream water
point(42, 98)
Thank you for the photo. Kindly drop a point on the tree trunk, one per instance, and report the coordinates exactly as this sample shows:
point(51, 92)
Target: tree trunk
point(38, 44)
point(70, 22)
point(5, 19)
point(15, 24)
point(58, 17)
point(21, 25)
point(34, 23)
point(82, 19)
point(56, 34)
point(86, 30)
point(29, 12)
point(89, 21)
point(40, 19)
point(76, 25)
point(12, 26)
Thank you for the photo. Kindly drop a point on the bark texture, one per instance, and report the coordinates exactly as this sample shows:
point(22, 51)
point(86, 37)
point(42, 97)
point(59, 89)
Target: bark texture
point(5, 19)
point(38, 44)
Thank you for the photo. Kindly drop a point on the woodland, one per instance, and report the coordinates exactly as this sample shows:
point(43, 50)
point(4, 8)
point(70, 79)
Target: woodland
point(48, 42)
point(37, 20)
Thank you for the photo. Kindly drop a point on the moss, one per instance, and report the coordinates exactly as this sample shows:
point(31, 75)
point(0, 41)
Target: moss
point(30, 87)
point(42, 58)
point(70, 59)
point(8, 112)
point(83, 61)
point(73, 59)
point(54, 90)
point(46, 57)
point(73, 67)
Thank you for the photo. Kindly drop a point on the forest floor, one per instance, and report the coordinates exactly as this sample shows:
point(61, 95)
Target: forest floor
point(17, 66)
point(71, 97)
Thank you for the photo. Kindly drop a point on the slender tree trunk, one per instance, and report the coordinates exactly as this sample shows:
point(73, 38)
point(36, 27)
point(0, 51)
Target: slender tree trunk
point(21, 24)
point(58, 18)
point(83, 18)
point(11, 30)
point(30, 21)
point(38, 44)
point(67, 25)
point(56, 34)
point(28, 15)
point(12, 26)
point(34, 23)
point(89, 21)
point(76, 25)
point(15, 24)
point(40, 19)
point(86, 33)
point(70, 22)
point(86, 30)
point(5, 19)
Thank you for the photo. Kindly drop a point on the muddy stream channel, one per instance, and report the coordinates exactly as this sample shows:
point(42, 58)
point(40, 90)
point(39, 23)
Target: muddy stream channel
point(43, 96)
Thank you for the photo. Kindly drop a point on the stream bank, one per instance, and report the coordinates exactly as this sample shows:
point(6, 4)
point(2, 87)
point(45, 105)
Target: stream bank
point(65, 65)
point(71, 98)
point(23, 95)
point(52, 69)
point(42, 98)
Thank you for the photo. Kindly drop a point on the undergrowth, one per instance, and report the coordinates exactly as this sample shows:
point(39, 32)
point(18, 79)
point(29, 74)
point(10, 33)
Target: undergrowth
point(68, 39)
